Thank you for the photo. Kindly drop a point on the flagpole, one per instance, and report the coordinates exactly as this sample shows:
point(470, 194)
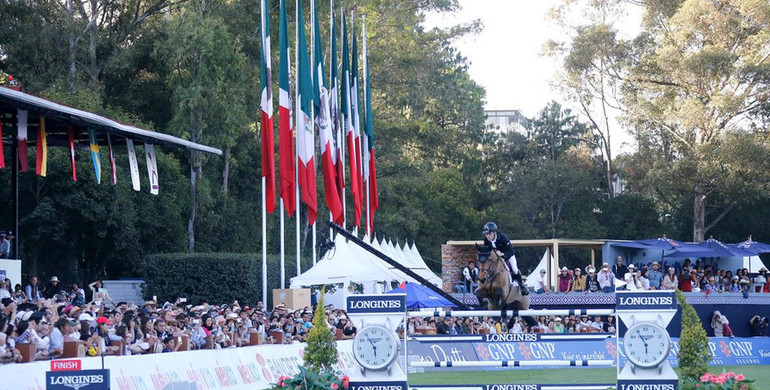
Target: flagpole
point(312, 106)
point(264, 191)
point(296, 112)
point(366, 152)
point(283, 251)
point(331, 88)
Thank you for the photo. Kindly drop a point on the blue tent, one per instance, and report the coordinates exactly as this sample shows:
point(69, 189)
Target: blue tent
point(419, 296)
point(753, 246)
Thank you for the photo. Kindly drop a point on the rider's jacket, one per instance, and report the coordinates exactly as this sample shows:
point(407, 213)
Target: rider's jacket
point(501, 243)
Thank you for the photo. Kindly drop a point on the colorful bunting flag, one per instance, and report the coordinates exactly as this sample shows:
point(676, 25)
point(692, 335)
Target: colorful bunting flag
point(22, 139)
point(41, 161)
point(2, 154)
point(112, 161)
point(71, 142)
point(133, 164)
point(152, 168)
point(94, 143)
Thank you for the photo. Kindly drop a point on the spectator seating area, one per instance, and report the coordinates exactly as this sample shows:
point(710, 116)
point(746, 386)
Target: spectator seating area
point(49, 324)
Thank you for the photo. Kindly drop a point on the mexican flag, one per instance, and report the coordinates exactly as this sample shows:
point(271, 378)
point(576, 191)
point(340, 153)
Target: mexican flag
point(305, 139)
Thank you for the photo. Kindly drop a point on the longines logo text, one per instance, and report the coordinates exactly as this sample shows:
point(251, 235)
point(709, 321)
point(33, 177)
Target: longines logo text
point(378, 387)
point(510, 387)
point(646, 301)
point(647, 387)
point(76, 381)
point(511, 337)
point(394, 304)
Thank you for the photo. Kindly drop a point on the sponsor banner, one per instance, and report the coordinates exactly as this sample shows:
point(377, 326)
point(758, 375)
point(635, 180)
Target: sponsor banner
point(725, 351)
point(528, 349)
point(366, 304)
point(390, 385)
point(78, 380)
point(586, 386)
point(648, 384)
point(645, 300)
point(246, 368)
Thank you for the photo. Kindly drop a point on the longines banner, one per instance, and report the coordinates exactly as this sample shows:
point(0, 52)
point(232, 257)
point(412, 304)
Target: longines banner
point(726, 351)
point(78, 380)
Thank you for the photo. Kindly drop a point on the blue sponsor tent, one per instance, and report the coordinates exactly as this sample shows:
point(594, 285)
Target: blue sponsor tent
point(419, 296)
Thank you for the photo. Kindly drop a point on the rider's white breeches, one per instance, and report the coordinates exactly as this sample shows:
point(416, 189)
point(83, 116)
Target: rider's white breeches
point(514, 264)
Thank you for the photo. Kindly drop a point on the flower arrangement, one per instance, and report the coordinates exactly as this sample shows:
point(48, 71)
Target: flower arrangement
point(320, 356)
point(723, 381)
point(313, 380)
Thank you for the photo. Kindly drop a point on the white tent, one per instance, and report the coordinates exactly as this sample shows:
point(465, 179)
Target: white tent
point(543, 264)
point(342, 265)
point(348, 262)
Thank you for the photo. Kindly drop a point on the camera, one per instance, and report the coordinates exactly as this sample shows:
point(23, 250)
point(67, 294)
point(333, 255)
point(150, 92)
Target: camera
point(763, 322)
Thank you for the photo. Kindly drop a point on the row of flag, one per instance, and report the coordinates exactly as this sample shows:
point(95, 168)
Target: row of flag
point(329, 108)
point(41, 162)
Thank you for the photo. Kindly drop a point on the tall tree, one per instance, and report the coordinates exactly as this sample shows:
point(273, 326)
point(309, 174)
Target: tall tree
point(593, 61)
point(700, 69)
point(209, 80)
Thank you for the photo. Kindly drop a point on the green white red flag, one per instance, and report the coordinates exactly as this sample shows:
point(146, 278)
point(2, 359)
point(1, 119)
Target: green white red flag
point(305, 138)
point(266, 102)
point(323, 121)
point(286, 151)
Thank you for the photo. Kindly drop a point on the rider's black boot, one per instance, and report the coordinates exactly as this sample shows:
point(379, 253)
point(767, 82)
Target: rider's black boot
point(518, 279)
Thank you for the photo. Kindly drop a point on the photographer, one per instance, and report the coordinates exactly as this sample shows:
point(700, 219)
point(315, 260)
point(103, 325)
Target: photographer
point(758, 325)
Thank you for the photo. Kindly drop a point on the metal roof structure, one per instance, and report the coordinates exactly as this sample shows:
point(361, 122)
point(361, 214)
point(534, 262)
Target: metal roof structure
point(59, 118)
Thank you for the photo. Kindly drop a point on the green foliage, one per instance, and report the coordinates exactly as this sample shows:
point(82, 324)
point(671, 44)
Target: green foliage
point(321, 349)
point(631, 217)
point(200, 276)
point(694, 354)
point(309, 379)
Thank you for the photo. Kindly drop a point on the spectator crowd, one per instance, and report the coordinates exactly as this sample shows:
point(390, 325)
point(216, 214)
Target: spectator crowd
point(41, 319)
point(692, 278)
point(496, 325)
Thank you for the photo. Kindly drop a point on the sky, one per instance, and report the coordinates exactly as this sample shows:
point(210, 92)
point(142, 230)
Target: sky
point(506, 57)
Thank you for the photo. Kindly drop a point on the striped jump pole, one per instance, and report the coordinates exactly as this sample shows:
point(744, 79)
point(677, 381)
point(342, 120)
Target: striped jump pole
point(512, 313)
point(517, 363)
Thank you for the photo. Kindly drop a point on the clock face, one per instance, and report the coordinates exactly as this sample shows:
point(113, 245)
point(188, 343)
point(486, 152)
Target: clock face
point(646, 344)
point(375, 347)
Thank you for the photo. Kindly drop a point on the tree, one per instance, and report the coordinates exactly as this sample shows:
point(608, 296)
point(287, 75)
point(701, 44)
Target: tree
point(698, 73)
point(209, 81)
point(593, 68)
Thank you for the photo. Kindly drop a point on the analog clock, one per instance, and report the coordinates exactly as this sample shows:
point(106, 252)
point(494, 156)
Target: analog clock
point(375, 347)
point(646, 344)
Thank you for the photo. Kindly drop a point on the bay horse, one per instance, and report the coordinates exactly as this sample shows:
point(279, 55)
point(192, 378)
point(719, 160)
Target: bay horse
point(495, 284)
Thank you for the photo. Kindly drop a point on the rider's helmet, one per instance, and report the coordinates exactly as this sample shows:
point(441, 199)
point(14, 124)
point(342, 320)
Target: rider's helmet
point(490, 227)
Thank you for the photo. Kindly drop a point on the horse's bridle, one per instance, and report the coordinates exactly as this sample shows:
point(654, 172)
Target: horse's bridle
point(490, 272)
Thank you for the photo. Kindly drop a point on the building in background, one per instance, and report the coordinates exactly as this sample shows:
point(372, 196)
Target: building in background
point(506, 120)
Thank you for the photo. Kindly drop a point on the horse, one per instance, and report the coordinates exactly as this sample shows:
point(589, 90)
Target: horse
point(495, 285)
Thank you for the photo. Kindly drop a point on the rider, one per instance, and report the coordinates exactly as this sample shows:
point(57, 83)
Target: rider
point(501, 243)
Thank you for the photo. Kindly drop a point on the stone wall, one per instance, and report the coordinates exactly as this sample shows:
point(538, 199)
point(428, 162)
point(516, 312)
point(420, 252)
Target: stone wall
point(453, 259)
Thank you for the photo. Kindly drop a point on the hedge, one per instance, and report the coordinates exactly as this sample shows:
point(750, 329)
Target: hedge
point(214, 277)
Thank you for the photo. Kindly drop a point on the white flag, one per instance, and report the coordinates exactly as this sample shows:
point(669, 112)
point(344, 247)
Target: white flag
point(152, 168)
point(134, 164)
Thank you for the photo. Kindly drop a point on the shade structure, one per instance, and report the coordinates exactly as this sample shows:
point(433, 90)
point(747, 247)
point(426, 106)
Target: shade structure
point(723, 250)
point(752, 246)
point(419, 296)
point(664, 243)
